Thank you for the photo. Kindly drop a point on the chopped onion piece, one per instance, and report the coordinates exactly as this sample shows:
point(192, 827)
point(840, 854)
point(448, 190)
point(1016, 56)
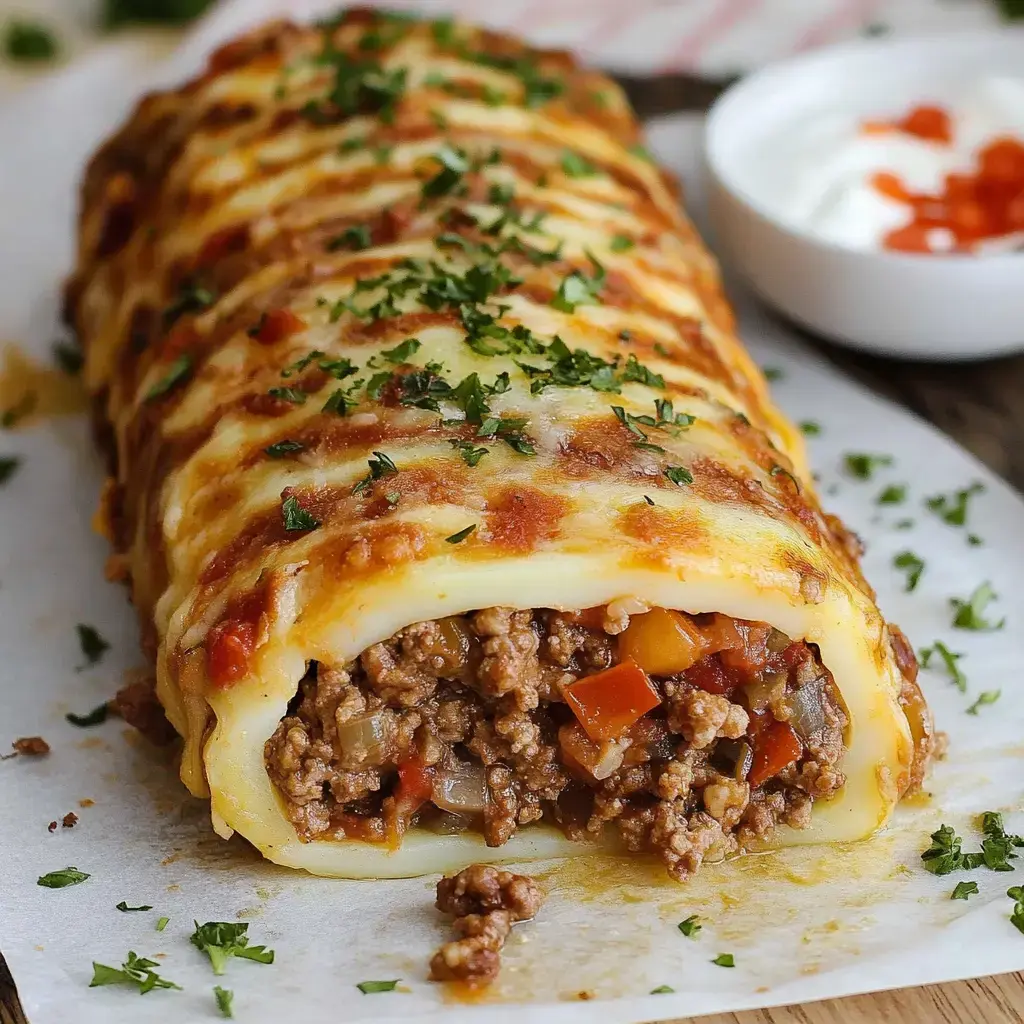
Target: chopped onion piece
point(364, 739)
point(460, 788)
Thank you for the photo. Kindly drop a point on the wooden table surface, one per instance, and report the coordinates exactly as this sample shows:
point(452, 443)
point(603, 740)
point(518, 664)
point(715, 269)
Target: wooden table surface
point(978, 404)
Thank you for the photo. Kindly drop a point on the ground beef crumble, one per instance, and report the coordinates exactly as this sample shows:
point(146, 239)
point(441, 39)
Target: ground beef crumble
point(485, 903)
point(473, 706)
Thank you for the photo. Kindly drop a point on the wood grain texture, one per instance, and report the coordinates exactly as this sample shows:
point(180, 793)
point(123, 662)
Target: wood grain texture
point(979, 406)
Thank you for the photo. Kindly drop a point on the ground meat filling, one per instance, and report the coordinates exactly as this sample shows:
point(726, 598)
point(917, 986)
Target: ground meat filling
point(485, 903)
point(499, 718)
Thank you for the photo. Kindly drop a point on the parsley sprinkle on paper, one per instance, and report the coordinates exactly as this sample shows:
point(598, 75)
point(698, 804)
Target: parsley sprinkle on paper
point(220, 940)
point(224, 997)
point(136, 970)
point(1016, 893)
point(29, 41)
point(985, 697)
point(162, 923)
point(964, 889)
point(913, 564)
point(862, 466)
point(772, 373)
point(894, 494)
point(949, 659)
point(662, 990)
point(810, 428)
point(690, 927)
point(125, 909)
point(369, 988)
point(945, 855)
point(9, 465)
point(97, 716)
point(92, 644)
point(295, 517)
point(61, 879)
point(724, 960)
point(952, 508)
point(970, 614)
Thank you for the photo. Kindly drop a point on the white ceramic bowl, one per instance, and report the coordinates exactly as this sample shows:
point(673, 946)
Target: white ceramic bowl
point(926, 307)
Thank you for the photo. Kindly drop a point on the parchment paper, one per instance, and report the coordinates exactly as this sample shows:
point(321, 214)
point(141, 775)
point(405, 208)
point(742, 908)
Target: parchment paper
point(802, 925)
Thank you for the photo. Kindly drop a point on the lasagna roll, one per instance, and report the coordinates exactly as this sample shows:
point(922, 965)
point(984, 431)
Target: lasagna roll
point(454, 512)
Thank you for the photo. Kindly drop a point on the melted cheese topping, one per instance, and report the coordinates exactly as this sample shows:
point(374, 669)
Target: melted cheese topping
point(250, 192)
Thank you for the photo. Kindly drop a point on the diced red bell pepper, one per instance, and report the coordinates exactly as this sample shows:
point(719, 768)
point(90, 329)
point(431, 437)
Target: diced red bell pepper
point(708, 675)
point(608, 703)
point(415, 786)
point(775, 746)
point(229, 647)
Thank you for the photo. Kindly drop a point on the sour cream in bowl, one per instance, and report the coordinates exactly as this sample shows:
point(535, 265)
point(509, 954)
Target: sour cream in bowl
point(874, 192)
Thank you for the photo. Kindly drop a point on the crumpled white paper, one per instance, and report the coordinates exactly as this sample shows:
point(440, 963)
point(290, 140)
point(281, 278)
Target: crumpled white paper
point(803, 924)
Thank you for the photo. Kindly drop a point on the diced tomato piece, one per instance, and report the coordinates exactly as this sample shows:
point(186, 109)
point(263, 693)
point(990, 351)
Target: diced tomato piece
point(889, 185)
point(912, 238)
point(415, 786)
point(708, 675)
point(662, 642)
point(1002, 160)
point(228, 650)
point(775, 746)
point(608, 703)
point(931, 123)
point(277, 324)
point(223, 242)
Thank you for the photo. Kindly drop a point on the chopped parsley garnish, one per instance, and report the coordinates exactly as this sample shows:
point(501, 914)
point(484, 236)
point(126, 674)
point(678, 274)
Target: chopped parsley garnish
point(904, 524)
point(400, 353)
point(945, 854)
point(220, 940)
point(176, 374)
point(62, 879)
point(380, 466)
point(351, 145)
point(124, 908)
point(454, 164)
point(507, 429)
point(369, 988)
point(970, 614)
point(577, 166)
point(279, 449)
point(224, 997)
point(579, 289)
point(772, 373)
point(690, 927)
point(162, 923)
point(136, 970)
point(14, 414)
point(191, 298)
point(974, 540)
point(662, 990)
point(811, 428)
point(679, 475)
point(68, 357)
point(360, 86)
point(97, 716)
point(29, 41)
point(340, 401)
point(642, 151)
point(985, 697)
point(296, 517)
point(914, 566)
point(894, 494)
point(949, 659)
point(471, 455)
point(1016, 893)
point(458, 538)
point(92, 644)
point(355, 238)
point(952, 508)
point(725, 960)
point(863, 466)
point(964, 889)
point(171, 12)
point(634, 370)
point(9, 465)
point(292, 395)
